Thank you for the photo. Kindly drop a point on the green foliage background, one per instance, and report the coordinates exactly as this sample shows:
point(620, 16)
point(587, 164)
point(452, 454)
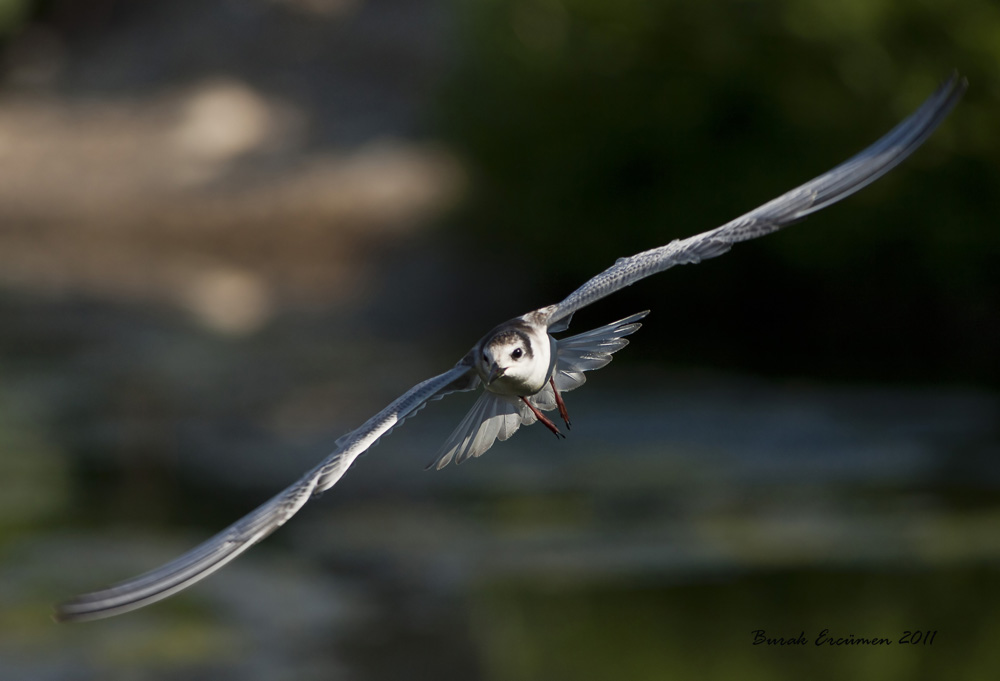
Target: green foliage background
point(595, 130)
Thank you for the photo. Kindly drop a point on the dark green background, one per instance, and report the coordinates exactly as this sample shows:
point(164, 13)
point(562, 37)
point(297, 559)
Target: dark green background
point(804, 434)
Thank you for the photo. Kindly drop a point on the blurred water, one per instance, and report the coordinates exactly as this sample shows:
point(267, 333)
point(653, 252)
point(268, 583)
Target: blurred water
point(683, 512)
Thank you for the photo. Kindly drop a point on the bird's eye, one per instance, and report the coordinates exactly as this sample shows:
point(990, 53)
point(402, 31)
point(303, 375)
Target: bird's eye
point(517, 353)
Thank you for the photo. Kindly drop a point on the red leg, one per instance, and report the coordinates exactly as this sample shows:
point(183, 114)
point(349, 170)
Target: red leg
point(560, 404)
point(542, 418)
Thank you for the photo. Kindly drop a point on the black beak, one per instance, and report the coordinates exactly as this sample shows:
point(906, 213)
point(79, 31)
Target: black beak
point(495, 373)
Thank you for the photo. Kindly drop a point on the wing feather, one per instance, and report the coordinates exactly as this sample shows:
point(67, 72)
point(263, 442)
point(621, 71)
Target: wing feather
point(820, 192)
point(219, 550)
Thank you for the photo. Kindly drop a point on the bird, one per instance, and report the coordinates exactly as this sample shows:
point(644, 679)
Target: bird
point(522, 368)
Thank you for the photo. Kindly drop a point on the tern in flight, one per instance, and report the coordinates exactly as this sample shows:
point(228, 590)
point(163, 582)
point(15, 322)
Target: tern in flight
point(523, 369)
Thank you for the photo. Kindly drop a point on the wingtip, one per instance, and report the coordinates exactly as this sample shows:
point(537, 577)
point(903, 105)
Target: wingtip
point(963, 84)
point(81, 609)
point(68, 612)
point(954, 85)
point(64, 611)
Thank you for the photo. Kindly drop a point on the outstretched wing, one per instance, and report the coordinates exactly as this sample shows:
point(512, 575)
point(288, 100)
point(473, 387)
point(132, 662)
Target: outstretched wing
point(817, 194)
point(497, 417)
point(240, 536)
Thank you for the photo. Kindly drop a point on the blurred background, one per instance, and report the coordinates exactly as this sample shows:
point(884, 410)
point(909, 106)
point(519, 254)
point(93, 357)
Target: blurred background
point(232, 230)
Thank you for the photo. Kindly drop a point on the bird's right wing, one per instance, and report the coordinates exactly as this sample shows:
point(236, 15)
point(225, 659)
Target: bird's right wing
point(830, 187)
point(241, 535)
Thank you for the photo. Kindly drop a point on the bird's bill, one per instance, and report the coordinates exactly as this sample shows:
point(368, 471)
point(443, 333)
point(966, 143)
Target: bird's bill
point(495, 373)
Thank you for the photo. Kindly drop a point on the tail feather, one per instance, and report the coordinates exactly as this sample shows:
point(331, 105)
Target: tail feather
point(590, 350)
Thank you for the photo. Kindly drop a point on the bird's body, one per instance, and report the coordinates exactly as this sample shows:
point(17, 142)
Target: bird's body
point(522, 366)
point(524, 370)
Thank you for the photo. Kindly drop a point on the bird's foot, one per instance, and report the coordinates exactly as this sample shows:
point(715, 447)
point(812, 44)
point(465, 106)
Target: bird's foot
point(542, 418)
point(562, 405)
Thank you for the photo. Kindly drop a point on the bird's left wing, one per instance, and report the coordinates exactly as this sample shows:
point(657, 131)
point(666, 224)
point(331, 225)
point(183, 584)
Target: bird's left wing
point(820, 192)
point(240, 536)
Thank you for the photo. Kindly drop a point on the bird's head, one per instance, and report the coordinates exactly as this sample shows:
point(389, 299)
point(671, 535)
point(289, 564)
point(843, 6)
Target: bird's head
point(507, 355)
